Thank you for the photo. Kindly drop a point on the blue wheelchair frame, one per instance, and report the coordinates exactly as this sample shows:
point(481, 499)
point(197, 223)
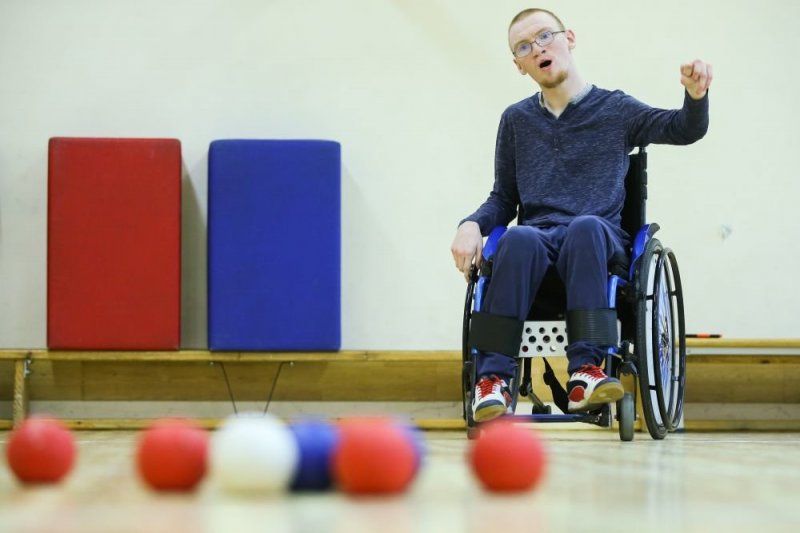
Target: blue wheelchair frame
point(648, 290)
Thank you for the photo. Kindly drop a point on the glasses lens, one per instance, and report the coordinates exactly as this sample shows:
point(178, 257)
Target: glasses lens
point(545, 38)
point(523, 49)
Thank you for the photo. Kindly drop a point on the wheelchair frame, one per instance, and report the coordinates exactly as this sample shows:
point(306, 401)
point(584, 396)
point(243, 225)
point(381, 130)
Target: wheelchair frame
point(648, 297)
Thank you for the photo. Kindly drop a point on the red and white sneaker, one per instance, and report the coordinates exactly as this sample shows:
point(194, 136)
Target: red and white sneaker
point(491, 399)
point(589, 387)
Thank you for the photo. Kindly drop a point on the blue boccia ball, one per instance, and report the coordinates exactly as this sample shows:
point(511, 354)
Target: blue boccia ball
point(316, 440)
point(417, 439)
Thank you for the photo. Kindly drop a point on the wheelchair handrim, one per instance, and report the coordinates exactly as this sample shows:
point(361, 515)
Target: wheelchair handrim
point(467, 366)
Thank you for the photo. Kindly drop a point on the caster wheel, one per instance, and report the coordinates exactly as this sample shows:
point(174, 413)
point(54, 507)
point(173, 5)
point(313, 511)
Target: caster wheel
point(626, 412)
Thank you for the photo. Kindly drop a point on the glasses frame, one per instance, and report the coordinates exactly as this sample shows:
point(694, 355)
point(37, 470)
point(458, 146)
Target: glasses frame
point(538, 40)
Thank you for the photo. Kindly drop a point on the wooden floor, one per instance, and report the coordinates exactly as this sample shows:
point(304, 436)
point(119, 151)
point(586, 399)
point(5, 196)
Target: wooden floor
point(688, 482)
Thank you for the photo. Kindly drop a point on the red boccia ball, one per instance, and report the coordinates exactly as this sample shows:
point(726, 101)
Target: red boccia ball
point(508, 458)
point(374, 456)
point(41, 450)
point(172, 455)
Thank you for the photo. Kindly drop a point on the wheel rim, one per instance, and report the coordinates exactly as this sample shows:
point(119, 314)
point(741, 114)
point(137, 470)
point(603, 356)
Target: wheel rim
point(645, 353)
point(662, 331)
point(651, 322)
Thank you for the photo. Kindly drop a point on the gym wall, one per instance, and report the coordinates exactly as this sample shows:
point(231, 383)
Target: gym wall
point(413, 91)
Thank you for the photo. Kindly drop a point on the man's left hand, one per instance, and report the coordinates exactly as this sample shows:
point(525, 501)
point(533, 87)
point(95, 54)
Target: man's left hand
point(696, 77)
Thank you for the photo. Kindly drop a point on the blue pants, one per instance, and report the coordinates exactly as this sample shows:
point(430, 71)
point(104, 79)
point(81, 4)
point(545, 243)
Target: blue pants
point(580, 252)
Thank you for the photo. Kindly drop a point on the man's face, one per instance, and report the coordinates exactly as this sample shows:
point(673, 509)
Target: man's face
point(548, 66)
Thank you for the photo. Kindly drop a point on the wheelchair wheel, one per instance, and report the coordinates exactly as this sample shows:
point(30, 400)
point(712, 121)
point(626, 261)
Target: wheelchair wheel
point(661, 339)
point(626, 413)
point(467, 364)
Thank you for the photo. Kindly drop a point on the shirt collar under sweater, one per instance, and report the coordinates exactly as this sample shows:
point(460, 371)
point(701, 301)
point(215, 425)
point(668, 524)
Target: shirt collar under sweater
point(575, 99)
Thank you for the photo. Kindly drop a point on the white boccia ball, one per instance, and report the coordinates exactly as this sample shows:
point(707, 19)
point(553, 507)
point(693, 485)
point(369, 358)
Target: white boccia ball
point(253, 453)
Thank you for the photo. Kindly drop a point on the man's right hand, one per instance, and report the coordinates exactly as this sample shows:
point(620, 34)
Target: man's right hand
point(467, 247)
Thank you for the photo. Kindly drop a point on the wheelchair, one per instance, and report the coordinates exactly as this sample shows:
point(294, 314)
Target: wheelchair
point(648, 342)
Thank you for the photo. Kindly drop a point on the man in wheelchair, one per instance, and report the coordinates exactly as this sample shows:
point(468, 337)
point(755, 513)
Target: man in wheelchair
point(561, 158)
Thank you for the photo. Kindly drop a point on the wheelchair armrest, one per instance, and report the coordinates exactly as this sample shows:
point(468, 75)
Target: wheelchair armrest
point(490, 247)
point(644, 235)
point(480, 277)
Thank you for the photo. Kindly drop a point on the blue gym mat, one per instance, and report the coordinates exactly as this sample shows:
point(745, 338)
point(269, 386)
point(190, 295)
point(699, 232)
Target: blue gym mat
point(274, 245)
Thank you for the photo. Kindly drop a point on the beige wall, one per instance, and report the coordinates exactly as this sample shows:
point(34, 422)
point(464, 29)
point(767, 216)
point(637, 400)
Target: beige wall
point(413, 90)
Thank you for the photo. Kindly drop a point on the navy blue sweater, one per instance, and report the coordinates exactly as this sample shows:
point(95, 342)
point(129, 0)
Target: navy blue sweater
point(560, 168)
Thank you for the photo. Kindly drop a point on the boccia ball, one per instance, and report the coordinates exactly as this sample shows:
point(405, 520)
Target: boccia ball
point(172, 455)
point(418, 440)
point(374, 456)
point(507, 458)
point(40, 450)
point(253, 453)
point(316, 441)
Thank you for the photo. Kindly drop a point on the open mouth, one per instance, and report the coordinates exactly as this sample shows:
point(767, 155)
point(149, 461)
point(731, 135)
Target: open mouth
point(544, 64)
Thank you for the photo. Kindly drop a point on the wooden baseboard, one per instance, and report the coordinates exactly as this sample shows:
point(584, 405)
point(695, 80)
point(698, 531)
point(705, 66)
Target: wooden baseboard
point(718, 370)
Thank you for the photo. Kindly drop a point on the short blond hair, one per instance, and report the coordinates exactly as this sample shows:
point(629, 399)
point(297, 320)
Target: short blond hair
point(527, 12)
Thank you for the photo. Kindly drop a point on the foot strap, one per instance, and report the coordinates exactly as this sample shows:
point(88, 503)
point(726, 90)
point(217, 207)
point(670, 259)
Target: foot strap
point(598, 326)
point(560, 397)
point(494, 333)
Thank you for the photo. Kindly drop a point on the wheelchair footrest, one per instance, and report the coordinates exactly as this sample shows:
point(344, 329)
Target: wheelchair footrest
point(589, 418)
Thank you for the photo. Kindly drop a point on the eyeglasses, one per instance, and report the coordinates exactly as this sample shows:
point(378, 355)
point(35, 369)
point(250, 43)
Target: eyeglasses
point(543, 39)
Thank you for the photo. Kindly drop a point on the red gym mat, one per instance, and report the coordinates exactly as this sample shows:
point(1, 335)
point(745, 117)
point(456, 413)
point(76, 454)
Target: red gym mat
point(113, 248)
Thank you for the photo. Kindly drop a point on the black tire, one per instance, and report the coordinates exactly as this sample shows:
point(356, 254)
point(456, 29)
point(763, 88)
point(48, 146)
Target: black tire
point(626, 412)
point(660, 339)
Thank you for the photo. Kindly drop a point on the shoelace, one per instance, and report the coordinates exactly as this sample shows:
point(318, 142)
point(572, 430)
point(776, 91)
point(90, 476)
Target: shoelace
point(485, 386)
point(592, 370)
